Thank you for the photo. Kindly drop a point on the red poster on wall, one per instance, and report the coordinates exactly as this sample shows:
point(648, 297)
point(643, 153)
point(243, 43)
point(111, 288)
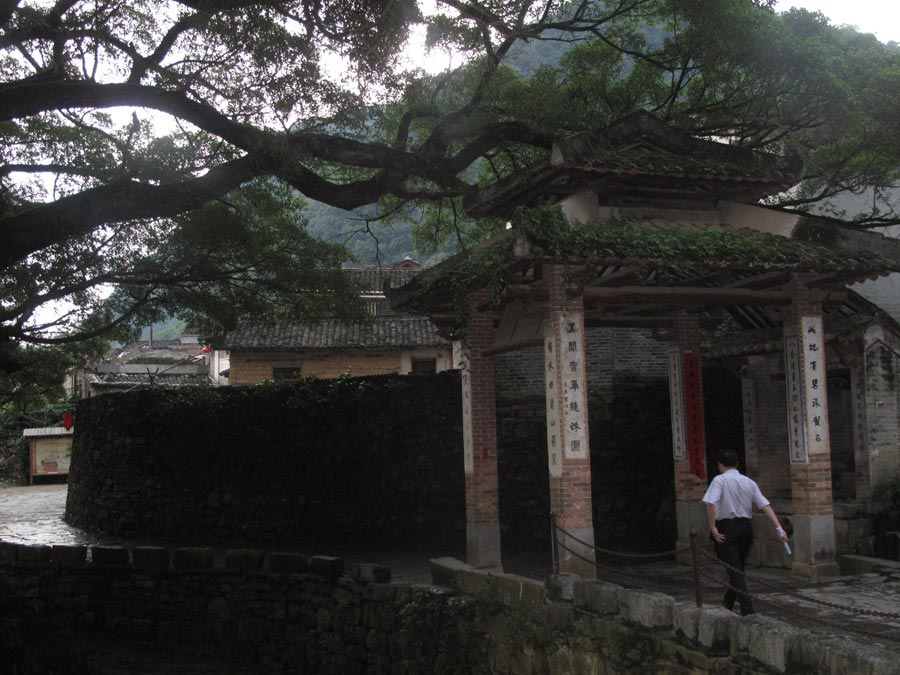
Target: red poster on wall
point(693, 415)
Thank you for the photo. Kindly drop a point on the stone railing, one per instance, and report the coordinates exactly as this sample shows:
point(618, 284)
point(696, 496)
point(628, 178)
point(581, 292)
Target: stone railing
point(623, 627)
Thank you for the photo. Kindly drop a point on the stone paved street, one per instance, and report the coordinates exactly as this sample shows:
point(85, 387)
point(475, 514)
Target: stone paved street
point(33, 514)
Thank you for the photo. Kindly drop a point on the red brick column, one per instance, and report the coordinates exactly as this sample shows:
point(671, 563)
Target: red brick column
point(690, 513)
point(568, 438)
point(809, 446)
point(480, 439)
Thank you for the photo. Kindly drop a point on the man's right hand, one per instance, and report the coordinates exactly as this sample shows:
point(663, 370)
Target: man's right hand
point(718, 536)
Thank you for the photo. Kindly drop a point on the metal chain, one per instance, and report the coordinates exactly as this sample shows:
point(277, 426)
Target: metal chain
point(605, 551)
point(805, 616)
point(786, 591)
point(631, 572)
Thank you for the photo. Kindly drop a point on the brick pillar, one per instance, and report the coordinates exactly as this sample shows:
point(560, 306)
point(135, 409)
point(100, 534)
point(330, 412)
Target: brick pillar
point(809, 445)
point(568, 439)
point(480, 439)
point(690, 513)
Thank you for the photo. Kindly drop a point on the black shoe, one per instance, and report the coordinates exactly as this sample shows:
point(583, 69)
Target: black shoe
point(729, 600)
point(747, 612)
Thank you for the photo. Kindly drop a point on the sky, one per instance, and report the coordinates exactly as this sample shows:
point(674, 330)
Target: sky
point(881, 17)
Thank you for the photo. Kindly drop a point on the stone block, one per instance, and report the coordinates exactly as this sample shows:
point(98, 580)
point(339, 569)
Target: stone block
point(192, 558)
point(289, 563)
point(66, 555)
point(379, 592)
point(685, 617)
point(369, 573)
point(508, 588)
point(153, 559)
point(714, 628)
point(646, 608)
point(532, 595)
point(110, 555)
point(33, 554)
point(326, 566)
point(561, 586)
point(472, 581)
point(839, 655)
point(244, 559)
point(773, 643)
point(444, 570)
point(558, 616)
point(600, 597)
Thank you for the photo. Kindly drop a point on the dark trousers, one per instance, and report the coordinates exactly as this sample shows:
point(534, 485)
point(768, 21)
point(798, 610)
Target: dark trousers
point(738, 534)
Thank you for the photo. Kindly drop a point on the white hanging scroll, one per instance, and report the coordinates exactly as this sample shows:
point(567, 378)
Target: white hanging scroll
point(555, 435)
point(676, 404)
point(816, 395)
point(794, 391)
point(572, 376)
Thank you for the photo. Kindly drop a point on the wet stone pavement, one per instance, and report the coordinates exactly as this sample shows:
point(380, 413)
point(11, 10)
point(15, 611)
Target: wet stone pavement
point(34, 514)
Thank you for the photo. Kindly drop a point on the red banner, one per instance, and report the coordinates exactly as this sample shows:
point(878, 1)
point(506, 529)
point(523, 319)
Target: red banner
point(693, 415)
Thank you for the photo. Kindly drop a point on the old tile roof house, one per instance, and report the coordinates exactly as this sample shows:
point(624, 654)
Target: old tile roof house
point(145, 364)
point(388, 342)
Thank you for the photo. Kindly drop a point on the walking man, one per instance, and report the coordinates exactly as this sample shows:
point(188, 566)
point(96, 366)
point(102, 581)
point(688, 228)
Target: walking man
point(729, 505)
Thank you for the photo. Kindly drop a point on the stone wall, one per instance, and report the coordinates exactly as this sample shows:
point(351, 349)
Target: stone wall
point(254, 611)
point(349, 460)
point(611, 353)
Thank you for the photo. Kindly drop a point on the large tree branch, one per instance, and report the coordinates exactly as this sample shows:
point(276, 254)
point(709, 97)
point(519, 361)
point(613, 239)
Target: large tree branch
point(24, 99)
point(37, 228)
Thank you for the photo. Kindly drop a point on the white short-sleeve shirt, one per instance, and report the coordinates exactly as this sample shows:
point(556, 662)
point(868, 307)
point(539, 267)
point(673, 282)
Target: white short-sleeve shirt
point(734, 495)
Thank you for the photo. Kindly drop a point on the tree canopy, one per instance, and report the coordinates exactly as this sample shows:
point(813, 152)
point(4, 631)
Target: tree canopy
point(163, 148)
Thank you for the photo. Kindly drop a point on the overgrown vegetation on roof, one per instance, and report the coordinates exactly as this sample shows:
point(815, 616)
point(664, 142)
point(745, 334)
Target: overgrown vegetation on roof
point(676, 249)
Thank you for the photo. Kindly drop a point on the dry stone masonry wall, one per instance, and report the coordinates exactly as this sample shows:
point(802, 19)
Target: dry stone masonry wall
point(287, 613)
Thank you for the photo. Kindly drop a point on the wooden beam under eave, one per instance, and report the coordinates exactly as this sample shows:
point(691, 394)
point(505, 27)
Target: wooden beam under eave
point(683, 296)
point(599, 319)
point(667, 295)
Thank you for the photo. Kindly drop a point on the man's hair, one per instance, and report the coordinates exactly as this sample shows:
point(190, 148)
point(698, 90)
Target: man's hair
point(727, 457)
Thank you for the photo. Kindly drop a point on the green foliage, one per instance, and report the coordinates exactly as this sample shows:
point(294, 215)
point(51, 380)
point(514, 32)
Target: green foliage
point(480, 268)
point(442, 634)
point(671, 249)
point(625, 647)
point(187, 206)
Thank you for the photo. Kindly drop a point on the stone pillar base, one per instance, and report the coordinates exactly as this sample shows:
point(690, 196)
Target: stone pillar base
point(816, 571)
point(576, 564)
point(813, 546)
point(483, 545)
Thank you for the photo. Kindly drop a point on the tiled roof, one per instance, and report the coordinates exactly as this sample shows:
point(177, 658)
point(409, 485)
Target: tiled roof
point(161, 351)
point(371, 279)
point(133, 380)
point(379, 332)
point(639, 157)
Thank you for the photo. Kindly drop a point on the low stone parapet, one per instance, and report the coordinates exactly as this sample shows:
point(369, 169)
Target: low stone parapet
point(701, 639)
